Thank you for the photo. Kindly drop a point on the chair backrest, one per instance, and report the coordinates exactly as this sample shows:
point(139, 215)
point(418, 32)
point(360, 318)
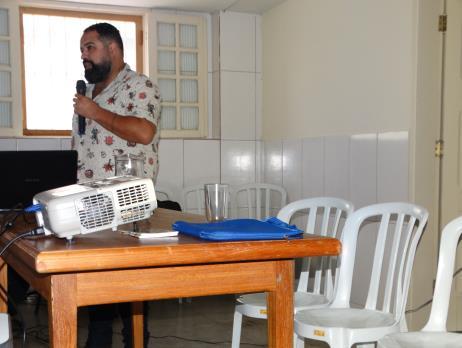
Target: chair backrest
point(258, 200)
point(448, 247)
point(193, 199)
point(398, 228)
point(163, 193)
point(322, 216)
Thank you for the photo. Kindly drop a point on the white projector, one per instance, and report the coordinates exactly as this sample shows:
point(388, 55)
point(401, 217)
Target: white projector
point(95, 205)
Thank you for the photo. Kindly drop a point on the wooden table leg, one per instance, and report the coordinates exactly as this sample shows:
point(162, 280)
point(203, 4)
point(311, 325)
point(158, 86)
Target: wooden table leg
point(62, 311)
point(137, 319)
point(281, 307)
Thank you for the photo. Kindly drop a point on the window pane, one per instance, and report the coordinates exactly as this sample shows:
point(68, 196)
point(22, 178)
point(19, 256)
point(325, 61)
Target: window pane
point(189, 118)
point(166, 62)
point(189, 91)
point(4, 22)
point(5, 84)
point(180, 75)
point(129, 39)
point(188, 63)
point(166, 34)
point(168, 90)
point(168, 117)
point(44, 71)
point(188, 36)
point(4, 52)
point(5, 115)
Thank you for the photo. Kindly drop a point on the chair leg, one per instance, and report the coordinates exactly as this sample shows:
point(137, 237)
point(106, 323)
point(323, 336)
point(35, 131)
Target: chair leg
point(339, 341)
point(299, 341)
point(237, 327)
point(403, 325)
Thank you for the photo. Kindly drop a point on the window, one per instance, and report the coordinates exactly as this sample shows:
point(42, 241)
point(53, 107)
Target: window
point(6, 98)
point(52, 64)
point(181, 67)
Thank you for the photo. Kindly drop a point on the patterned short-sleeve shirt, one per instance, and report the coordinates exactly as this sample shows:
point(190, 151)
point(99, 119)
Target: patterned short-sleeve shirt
point(129, 94)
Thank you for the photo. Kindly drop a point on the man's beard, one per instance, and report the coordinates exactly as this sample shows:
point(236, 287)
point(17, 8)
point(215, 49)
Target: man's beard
point(98, 72)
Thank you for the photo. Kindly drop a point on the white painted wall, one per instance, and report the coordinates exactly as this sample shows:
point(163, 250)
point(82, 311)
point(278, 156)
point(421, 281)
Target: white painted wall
point(338, 67)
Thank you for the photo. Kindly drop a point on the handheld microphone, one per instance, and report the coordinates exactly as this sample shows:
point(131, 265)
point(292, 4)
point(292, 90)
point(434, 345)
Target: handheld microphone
point(81, 88)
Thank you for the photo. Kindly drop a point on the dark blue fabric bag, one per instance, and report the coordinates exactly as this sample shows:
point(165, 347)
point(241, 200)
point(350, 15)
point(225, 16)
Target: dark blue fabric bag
point(239, 229)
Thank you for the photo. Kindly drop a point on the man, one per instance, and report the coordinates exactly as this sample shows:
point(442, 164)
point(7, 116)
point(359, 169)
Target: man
point(121, 110)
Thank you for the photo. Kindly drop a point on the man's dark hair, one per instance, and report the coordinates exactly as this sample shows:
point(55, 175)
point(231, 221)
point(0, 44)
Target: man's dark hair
point(107, 32)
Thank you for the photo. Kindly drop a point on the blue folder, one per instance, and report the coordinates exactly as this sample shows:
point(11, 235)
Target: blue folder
point(239, 229)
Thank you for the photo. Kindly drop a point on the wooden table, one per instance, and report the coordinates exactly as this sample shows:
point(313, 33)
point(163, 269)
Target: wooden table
point(110, 267)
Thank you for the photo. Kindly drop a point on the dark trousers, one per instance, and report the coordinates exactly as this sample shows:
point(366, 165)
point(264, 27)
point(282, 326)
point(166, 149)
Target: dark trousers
point(101, 318)
point(17, 290)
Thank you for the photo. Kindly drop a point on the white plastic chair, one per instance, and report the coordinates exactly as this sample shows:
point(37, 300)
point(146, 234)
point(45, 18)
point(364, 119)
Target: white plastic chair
point(6, 337)
point(399, 227)
point(323, 217)
point(258, 198)
point(163, 193)
point(193, 200)
point(434, 334)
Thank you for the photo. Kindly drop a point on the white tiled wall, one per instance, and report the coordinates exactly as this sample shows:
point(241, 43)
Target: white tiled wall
point(201, 162)
point(66, 143)
point(39, 144)
point(392, 166)
point(336, 166)
point(171, 170)
point(237, 41)
point(272, 162)
point(8, 144)
point(312, 171)
point(292, 168)
point(237, 105)
point(240, 76)
point(34, 144)
point(238, 162)
point(364, 168)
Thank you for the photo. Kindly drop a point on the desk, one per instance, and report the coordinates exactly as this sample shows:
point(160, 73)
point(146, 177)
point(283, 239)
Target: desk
point(109, 267)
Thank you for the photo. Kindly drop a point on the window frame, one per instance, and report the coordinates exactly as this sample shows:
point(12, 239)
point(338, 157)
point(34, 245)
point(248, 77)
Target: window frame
point(14, 46)
point(202, 74)
point(137, 19)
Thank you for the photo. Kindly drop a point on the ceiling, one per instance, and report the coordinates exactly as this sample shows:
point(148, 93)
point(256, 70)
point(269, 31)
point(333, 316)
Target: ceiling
point(250, 6)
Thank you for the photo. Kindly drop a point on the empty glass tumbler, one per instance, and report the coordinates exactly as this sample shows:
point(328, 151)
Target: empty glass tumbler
point(216, 201)
point(129, 164)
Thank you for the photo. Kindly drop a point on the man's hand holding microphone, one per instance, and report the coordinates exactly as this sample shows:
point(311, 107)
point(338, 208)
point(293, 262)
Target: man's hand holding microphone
point(84, 107)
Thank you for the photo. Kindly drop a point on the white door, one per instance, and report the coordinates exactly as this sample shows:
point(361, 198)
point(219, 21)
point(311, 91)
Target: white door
point(452, 131)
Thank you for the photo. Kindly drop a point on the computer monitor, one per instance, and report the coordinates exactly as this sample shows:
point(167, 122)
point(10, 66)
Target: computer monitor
point(26, 173)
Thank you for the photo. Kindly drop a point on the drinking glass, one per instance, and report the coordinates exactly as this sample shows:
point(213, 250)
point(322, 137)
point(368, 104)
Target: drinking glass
point(129, 164)
point(216, 202)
